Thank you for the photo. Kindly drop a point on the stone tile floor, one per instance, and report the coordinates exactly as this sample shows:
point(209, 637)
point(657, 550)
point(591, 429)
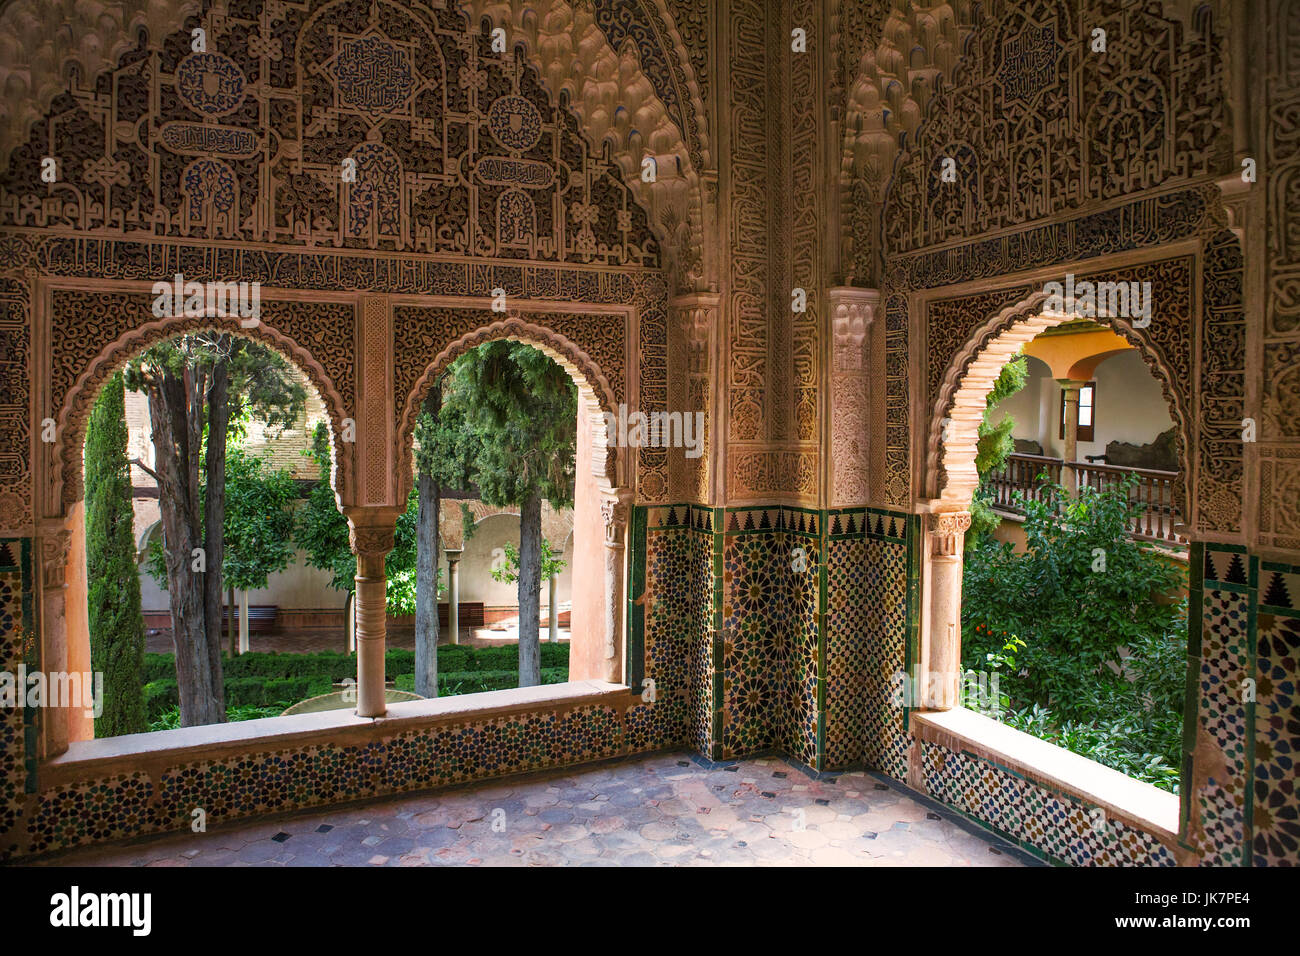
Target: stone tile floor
point(661, 810)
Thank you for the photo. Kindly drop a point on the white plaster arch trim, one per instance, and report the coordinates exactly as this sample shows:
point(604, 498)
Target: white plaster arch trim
point(951, 477)
point(142, 542)
point(593, 389)
point(557, 524)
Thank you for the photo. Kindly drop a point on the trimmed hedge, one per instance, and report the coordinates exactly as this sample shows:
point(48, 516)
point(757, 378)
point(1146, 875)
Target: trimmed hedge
point(474, 682)
point(335, 666)
point(160, 695)
point(269, 679)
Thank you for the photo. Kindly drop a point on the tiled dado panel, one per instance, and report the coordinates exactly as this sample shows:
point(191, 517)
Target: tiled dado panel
point(15, 622)
point(1217, 746)
point(844, 703)
point(1046, 822)
point(799, 674)
point(773, 605)
point(1275, 805)
point(888, 637)
point(248, 784)
point(671, 627)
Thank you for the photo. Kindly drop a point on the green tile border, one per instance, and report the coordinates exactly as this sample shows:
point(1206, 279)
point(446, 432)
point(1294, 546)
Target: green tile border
point(912, 639)
point(1191, 695)
point(1252, 671)
point(635, 652)
point(823, 605)
point(718, 635)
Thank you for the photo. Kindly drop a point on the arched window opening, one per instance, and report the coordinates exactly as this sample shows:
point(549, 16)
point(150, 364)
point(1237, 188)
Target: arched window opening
point(1058, 593)
point(164, 607)
point(502, 454)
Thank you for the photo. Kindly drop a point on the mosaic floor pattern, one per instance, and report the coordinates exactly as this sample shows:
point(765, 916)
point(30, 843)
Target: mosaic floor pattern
point(662, 810)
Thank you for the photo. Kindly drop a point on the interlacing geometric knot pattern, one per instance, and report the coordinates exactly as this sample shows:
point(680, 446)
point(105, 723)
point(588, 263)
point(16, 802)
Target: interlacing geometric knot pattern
point(12, 627)
point(1050, 824)
point(225, 789)
point(1276, 817)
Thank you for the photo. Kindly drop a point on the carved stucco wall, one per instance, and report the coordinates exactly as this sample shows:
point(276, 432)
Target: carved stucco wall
point(774, 233)
point(1027, 154)
point(620, 65)
point(1277, 87)
point(213, 163)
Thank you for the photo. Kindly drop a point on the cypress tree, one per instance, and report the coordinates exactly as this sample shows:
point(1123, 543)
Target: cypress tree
point(116, 622)
point(523, 409)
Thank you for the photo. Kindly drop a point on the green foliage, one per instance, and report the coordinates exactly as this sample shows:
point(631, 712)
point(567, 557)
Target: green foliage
point(448, 447)
point(993, 446)
point(262, 384)
point(113, 599)
point(333, 666)
point(259, 520)
point(268, 683)
point(475, 682)
point(1103, 662)
point(258, 523)
point(522, 410)
point(508, 573)
point(171, 719)
point(322, 533)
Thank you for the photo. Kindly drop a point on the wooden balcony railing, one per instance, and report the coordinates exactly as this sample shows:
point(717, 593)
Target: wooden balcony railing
point(1154, 490)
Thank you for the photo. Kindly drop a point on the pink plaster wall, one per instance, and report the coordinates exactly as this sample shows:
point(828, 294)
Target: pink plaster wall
point(587, 645)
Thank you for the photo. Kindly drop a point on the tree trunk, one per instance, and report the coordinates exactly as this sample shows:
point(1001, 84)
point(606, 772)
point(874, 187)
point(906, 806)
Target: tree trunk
point(214, 505)
point(234, 626)
point(530, 588)
point(426, 572)
point(174, 405)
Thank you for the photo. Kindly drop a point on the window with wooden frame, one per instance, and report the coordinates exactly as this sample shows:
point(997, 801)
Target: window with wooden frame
point(1087, 412)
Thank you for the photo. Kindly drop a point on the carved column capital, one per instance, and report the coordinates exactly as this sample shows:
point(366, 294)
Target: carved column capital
point(697, 314)
point(370, 541)
point(56, 542)
point(948, 533)
point(370, 531)
point(615, 509)
point(852, 311)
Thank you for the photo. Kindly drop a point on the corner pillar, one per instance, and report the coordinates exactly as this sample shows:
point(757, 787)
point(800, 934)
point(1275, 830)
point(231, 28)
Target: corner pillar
point(855, 385)
point(55, 546)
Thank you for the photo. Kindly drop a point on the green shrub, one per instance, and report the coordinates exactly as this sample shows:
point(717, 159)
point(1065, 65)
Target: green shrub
point(159, 695)
point(454, 683)
point(1101, 665)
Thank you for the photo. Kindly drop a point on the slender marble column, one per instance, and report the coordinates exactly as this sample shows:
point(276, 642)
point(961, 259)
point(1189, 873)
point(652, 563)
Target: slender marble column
point(947, 534)
point(371, 544)
point(453, 594)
